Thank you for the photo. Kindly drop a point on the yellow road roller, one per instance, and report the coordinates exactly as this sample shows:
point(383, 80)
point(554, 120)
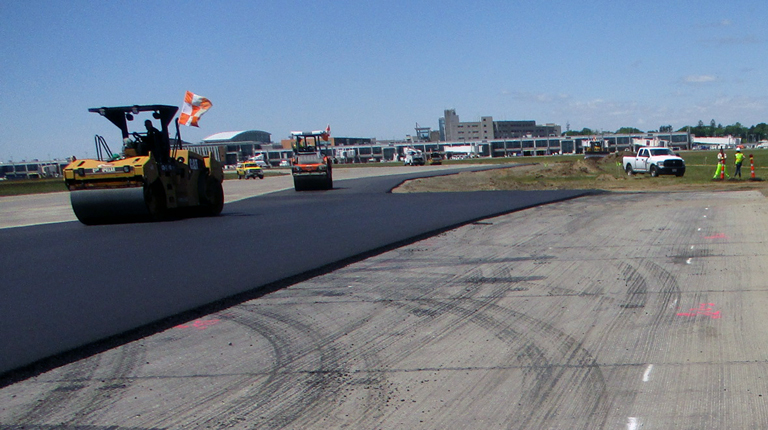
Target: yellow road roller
point(150, 180)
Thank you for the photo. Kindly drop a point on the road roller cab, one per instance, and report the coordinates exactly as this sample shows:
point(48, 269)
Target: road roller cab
point(149, 180)
point(312, 167)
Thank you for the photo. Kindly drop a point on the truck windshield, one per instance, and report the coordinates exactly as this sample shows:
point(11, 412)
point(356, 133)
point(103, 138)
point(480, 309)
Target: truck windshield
point(661, 151)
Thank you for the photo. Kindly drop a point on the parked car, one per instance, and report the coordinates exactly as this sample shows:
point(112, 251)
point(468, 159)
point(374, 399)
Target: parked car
point(249, 170)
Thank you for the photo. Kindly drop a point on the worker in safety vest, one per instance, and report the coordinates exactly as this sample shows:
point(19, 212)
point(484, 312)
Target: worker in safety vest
point(739, 160)
point(721, 165)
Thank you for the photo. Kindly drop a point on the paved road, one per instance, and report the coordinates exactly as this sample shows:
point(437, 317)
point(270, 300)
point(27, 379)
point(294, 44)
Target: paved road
point(616, 311)
point(67, 285)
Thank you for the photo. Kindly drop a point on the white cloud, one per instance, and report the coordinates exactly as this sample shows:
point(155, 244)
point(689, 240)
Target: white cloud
point(699, 79)
point(732, 41)
point(610, 114)
point(536, 97)
point(718, 24)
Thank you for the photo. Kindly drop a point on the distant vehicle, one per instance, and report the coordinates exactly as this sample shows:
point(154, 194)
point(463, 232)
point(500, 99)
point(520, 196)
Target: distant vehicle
point(248, 170)
point(284, 163)
point(595, 148)
point(259, 159)
point(656, 161)
point(762, 145)
point(345, 155)
point(413, 157)
point(435, 157)
point(312, 168)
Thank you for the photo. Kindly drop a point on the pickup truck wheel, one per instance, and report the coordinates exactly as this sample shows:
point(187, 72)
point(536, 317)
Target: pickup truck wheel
point(628, 170)
point(654, 171)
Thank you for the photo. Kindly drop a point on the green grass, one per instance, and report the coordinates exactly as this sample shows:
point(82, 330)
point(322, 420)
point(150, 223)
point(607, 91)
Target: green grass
point(701, 165)
point(31, 186)
point(572, 171)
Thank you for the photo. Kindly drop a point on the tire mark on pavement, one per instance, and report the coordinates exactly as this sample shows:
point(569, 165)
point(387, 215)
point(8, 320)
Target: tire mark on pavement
point(87, 387)
point(306, 379)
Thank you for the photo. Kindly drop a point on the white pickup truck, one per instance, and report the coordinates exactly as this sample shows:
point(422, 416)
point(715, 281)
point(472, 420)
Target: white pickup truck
point(656, 161)
point(413, 157)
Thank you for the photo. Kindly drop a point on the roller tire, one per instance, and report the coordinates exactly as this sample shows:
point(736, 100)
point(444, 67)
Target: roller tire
point(299, 184)
point(329, 178)
point(212, 199)
point(155, 199)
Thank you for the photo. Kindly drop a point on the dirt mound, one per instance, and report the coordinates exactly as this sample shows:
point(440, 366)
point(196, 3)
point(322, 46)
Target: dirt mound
point(607, 177)
point(616, 157)
point(570, 168)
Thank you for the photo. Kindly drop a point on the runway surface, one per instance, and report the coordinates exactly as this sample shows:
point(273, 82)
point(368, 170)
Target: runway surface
point(68, 285)
point(613, 311)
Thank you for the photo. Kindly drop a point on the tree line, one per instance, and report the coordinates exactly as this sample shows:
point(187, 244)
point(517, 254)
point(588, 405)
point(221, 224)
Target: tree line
point(713, 129)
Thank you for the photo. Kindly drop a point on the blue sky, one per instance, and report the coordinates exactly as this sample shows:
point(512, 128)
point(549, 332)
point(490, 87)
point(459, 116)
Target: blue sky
point(375, 69)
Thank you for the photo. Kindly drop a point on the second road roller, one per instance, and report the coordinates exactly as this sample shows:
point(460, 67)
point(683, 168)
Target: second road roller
point(312, 165)
point(150, 180)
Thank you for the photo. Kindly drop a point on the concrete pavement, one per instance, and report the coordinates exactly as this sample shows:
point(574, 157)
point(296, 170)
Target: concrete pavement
point(618, 311)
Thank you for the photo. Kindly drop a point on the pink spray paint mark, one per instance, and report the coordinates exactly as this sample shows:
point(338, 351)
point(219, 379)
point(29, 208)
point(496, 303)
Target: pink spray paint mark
point(706, 309)
point(199, 324)
point(717, 236)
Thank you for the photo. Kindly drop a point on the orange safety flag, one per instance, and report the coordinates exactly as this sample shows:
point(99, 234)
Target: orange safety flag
point(327, 134)
point(194, 107)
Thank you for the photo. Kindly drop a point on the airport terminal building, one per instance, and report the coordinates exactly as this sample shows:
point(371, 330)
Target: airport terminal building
point(483, 138)
point(378, 151)
point(451, 129)
point(552, 145)
point(232, 147)
point(34, 169)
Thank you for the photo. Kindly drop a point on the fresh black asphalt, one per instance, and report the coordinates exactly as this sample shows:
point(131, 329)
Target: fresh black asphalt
point(68, 285)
